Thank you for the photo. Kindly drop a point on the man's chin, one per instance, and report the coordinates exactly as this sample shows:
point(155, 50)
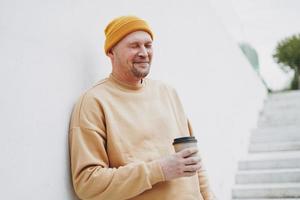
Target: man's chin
point(143, 75)
point(140, 73)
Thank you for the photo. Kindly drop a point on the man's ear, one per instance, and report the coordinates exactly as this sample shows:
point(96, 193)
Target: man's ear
point(110, 53)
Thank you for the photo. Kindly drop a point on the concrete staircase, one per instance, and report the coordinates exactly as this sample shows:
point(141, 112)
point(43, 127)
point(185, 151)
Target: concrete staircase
point(271, 170)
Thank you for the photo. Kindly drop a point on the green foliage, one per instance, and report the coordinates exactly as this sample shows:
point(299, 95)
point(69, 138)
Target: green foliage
point(287, 54)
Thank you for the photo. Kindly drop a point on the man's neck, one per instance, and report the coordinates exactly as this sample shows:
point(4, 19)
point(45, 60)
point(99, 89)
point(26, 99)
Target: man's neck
point(130, 81)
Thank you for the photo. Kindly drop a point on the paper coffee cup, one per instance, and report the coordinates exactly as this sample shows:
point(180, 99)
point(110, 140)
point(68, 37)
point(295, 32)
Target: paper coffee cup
point(184, 142)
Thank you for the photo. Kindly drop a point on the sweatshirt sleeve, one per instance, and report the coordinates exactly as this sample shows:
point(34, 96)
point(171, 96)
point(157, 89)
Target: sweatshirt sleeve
point(205, 189)
point(92, 176)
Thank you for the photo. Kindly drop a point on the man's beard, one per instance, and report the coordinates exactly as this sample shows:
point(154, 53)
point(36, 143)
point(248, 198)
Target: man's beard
point(140, 73)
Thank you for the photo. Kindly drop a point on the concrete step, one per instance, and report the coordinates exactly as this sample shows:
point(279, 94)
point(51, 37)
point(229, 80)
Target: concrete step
point(278, 123)
point(264, 138)
point(270, 160)
point(284, 96)
point(268, 176)
point(279, 113)
point(286, 130)
point(281, 190)
point(269, 121)
point(281, 106)
point(274, 146)
point(282, 101)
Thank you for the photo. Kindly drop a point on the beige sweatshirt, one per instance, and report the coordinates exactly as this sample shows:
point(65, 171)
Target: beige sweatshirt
point(117, 133)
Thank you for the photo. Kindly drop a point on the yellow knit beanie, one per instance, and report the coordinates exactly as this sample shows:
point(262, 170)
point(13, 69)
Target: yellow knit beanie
point(118, 28)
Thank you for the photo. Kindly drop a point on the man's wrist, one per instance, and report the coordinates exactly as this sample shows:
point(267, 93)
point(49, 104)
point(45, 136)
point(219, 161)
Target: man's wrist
point(155, 172)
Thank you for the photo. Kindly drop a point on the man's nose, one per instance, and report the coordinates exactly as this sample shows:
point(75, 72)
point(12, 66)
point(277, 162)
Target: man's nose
point(142, 51)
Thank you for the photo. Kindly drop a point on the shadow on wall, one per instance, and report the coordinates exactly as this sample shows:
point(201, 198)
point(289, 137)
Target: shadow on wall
point(69, 184)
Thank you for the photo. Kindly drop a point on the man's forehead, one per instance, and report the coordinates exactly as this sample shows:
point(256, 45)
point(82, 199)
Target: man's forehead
point(138, 36)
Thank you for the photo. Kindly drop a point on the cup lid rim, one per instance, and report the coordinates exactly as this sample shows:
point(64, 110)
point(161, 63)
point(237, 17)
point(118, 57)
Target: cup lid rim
point(187, 139)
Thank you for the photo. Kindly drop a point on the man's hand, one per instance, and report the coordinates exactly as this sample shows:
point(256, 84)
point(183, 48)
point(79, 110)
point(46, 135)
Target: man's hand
point(181, 164)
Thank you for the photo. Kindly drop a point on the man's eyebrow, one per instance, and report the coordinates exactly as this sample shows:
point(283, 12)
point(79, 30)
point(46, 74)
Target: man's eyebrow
point(138, 42)
point(134, 42)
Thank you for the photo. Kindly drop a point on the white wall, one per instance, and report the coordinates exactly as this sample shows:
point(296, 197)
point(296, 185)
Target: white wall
point(51, 51)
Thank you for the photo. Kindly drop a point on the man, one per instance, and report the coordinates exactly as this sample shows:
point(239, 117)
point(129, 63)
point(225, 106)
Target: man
point(122, 129)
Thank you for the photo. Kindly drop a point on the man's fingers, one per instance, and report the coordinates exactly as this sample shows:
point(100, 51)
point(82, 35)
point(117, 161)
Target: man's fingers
point(189, 173)
point(192, 168)
point(192, 160)
point(188, 152)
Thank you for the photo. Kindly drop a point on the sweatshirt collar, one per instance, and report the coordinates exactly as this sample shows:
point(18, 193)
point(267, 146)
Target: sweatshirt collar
point(126, 85)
